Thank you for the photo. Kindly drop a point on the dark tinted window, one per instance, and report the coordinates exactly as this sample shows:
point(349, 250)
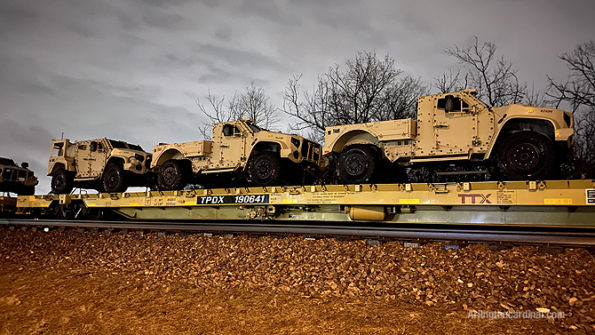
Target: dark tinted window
point(458, 105)
point(124, 145)
point(7, 161)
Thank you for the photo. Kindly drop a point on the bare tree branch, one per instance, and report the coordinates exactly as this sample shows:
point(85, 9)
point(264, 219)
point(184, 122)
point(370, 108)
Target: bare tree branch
point(578, 92)
point(367, 88)
point(252, 103)
point(494, 78)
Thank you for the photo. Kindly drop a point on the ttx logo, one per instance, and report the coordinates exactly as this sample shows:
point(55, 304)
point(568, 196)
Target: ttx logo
point(475, 198)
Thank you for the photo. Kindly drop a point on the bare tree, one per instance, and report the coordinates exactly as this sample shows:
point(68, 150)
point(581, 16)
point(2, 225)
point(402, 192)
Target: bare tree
point(451, 81)
point(365, 89)
point(578, 92)
point(579, 89)
point(494, 77)
point(252, 103)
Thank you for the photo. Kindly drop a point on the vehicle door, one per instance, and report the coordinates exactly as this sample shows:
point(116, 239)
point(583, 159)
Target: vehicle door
point(97, 158)
point(232, 152)
point(82, 160)
point(454, 126)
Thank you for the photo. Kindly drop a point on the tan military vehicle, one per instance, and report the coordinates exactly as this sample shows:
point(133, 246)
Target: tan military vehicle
point(455, 129)
point(16, 179)
point(104, 164)
point(239, 150)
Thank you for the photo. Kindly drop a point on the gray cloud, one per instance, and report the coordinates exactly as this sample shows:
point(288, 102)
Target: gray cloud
point(133, 69)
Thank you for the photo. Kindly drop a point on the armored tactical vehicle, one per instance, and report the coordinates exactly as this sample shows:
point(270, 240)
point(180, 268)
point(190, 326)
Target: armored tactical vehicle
point(16, 179)
point(104, 164)
point(455, 130)
point(239, 151)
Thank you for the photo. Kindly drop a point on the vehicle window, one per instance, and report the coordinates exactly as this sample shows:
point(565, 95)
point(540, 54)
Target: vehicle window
point(6, 174)
point(254, 127)
point(57, 150)
point(6, 161)
point(93, 146)
point(228, 130)
point(118, 144)
point(465, 106)
point(82, 147)
point(455, 104)
point(99, 147)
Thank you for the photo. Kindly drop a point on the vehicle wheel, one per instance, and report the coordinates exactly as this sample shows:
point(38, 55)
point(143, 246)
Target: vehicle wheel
point(113, 178)
point(62, 182)
point(172, 176)
point(264, 168)
point(356, 165)
point(27, 190)
point(526, 155)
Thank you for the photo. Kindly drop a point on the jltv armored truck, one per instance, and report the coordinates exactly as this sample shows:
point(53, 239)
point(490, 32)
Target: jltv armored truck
point(516, 141)
point(239, 150)
point(16, 179)
point(104, 164)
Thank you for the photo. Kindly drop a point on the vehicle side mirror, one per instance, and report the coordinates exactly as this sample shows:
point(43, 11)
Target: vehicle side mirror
point(24, 165)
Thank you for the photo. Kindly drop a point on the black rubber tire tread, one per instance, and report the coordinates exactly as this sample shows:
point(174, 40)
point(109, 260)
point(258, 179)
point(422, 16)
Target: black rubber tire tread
point(264, 168)
point(539, 165)
point(62, 182)
point(365, 160)
point(172, 175)
point(113, 179)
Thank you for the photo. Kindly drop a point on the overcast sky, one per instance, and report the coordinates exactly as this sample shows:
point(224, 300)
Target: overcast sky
point(132, 69)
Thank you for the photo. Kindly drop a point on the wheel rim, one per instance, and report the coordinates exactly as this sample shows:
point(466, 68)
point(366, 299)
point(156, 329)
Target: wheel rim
point(356, 164)
point(524, 156)
point(59, 181)
point(113, 179)
point(169, 176)
point(263, 169)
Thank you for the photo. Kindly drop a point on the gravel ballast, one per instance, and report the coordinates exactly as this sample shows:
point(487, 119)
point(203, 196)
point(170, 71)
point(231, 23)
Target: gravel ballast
point(472, 278)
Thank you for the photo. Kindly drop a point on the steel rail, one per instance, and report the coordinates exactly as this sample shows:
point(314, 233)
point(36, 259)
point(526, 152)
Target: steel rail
point(520, 235)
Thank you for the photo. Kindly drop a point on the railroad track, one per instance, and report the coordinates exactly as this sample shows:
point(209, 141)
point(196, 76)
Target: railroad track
point(579, 237)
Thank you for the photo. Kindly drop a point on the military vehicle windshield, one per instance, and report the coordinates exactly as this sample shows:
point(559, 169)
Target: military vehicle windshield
point(254, 127)
point(7, 161)
point(124, 145)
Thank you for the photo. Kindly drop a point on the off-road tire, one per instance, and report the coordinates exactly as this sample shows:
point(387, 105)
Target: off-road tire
point(526, 155)
point(356, 165)
point(264, 168)
point(113, 179)
point(172, 175)
point(62, 182)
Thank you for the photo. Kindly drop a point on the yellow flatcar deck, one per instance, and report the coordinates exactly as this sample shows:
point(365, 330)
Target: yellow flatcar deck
point(552, 202)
